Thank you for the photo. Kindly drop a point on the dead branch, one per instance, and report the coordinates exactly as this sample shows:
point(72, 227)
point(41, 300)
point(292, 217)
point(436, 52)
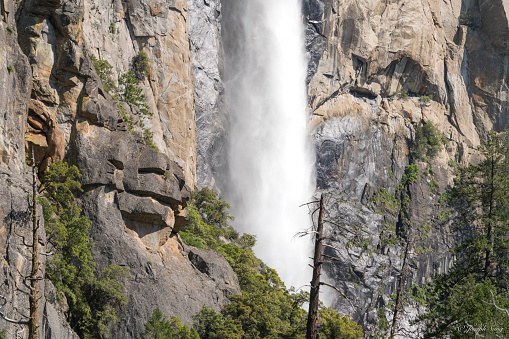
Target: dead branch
point(339, 291)
point(493, 303)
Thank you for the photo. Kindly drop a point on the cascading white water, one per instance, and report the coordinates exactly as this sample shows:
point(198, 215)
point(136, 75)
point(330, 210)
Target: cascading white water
point(270, 162)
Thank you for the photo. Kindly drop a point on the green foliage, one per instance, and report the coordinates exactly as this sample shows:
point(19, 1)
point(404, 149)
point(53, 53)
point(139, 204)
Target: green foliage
point(400, 94)
point(141, 65)
point(384, 199)
point(3, 334)
point(433, 186)
point(456, 304)
point(266, 309)
point(466, 18)
point(420, 294)
point(130, 91)
point(213, 325)
point(451, 163)
point(334, 326)
point(463, 296)
point(158, 327)
point(208, 223)
point(382, 324)
point(426, 98)
point(92, 299)
point(9, 28)
point(112, 28)
point(411, 175)
point(104, 70)
point(10, 68)
point(211, 207)
point(428, 142)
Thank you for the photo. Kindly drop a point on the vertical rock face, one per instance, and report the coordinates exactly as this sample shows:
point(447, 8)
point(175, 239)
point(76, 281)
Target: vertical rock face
point(211, 113)
point(379, 62)
point(53, 100)
point(117, 31)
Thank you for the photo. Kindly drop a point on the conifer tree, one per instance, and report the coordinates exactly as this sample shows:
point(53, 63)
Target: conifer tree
point(467, 297)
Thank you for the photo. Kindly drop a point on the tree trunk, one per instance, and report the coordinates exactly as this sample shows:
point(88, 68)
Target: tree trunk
point(489, 234)
point(33, 327)
point(314, 298)
point(398, 295)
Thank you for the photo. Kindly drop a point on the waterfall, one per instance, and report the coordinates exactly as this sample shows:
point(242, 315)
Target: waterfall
point(270, 162)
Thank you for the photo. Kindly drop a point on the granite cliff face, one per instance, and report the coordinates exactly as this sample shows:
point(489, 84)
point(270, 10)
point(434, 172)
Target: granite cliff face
point(379, 63)
point(53, 99)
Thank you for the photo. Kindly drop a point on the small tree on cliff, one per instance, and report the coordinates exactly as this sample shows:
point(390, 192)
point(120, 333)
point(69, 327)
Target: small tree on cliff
point(92, 297)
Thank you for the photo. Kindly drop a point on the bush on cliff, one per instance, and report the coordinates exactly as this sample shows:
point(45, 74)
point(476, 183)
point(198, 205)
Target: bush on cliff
point(159, 327)
point(428, 142)
point(92, 296)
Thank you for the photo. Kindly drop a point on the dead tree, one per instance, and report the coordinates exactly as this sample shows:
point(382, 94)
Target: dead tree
point(318, 261)
point(32, 320)
point(314, 299)
point(399, 291)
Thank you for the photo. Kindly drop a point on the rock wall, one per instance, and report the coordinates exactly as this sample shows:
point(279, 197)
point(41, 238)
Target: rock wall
point(212, 118)
point(53, 100)
point(367, 93)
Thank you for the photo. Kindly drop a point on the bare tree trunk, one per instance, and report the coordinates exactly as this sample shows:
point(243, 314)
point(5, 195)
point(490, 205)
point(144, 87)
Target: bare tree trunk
point(489, 236)
point(33, 327)
point(398, 295)
point(314, 299)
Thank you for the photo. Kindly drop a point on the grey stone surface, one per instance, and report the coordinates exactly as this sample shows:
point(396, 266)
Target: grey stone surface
point(212, 117)
point(162, 275)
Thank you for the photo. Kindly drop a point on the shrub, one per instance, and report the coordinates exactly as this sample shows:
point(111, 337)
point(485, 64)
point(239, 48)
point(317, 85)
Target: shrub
point(3, 334)
point(334, 325)
point(426, 98)
point(466, 18)
point(434, 186)
point(10, 68)
point(104, 70)
point(141, 65)
point(428, 142)
point(160, 327)
point(112, 28)
point(411, 174)
point(129, 91)
point(9, 28)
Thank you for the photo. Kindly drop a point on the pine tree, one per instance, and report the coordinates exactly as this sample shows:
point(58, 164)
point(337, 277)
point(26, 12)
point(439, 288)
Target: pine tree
point(462, 299)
